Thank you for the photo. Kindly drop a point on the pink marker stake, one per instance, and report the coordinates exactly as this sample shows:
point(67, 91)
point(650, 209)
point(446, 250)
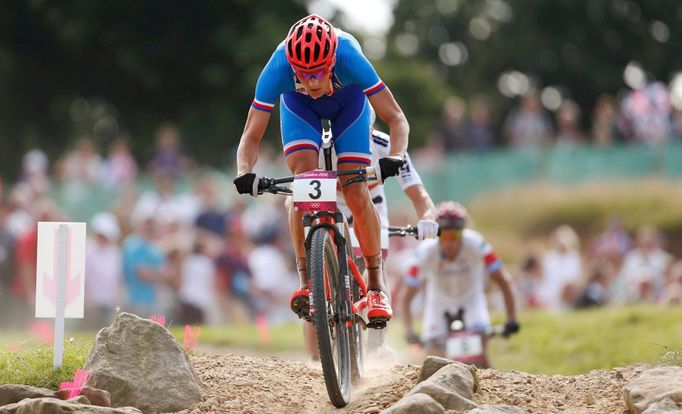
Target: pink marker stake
point(160, 319)
point(42, 331)
point(191, 338)
point(263, 329)
point(79, 380)
point(14, 347)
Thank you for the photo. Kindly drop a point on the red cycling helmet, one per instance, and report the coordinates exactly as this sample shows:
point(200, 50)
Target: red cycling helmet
point(311, 44)
point(451, 215)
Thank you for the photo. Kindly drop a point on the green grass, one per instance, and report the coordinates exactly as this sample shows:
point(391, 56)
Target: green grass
point(284, 337)
point(33, 364)
point(578, 342)
point(568, 343)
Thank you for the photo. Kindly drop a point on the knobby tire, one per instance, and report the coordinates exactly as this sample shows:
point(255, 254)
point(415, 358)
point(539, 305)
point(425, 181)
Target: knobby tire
point(337, 372)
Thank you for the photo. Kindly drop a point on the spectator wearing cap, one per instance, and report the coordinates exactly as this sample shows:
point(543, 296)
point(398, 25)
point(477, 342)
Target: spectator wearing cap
point(103, 270)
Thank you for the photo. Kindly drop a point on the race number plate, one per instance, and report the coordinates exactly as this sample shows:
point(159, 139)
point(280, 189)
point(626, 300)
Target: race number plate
point(315, 191)
point(463, 345)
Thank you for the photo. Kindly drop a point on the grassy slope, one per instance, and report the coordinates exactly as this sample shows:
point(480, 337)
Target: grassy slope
point(524, 216)
point(578, 342)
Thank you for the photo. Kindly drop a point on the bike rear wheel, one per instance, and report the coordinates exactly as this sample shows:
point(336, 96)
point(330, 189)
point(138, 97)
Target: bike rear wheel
point(330, 309)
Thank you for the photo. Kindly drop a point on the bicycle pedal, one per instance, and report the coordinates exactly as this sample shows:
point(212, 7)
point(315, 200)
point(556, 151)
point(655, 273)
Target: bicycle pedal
point(377, 323)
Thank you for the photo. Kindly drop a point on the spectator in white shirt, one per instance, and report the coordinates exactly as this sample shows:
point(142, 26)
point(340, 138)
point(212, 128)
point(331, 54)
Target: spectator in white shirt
point(643, 273)
point(561, 270)
point(103, 269)
point(197, 287)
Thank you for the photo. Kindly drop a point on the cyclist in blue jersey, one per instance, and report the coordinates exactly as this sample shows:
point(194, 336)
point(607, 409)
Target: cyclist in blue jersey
point(319, 72)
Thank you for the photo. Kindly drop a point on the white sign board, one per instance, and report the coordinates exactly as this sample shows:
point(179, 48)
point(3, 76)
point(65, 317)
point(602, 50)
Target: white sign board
point(61, 250)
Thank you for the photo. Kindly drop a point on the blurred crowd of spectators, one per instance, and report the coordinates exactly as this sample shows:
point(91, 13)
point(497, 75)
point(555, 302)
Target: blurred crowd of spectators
point(645, 115)
point(613, 268)
point(188, 255)
point(203, 255)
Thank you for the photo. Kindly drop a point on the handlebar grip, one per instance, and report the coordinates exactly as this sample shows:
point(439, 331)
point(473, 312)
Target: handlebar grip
point(263, 183)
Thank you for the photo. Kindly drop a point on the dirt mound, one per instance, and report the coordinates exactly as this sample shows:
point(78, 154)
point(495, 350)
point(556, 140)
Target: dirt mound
point(243, 384)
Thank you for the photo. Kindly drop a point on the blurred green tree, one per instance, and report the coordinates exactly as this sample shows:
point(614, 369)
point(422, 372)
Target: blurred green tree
point(579, 46)
point(98, 67)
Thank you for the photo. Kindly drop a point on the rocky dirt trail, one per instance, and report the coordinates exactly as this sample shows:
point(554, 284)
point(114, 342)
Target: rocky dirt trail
point(247, 384)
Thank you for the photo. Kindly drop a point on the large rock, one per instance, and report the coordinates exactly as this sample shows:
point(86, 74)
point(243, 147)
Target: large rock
point(665, 406)
point(142, 365)
point(452, 386)
point(56, 406)
point(432, 364)
point(415, 404)
point(13, 393)
point(654, 385)
point(496, 409)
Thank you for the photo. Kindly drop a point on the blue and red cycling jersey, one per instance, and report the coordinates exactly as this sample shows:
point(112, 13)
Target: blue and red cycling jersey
point(352, 67)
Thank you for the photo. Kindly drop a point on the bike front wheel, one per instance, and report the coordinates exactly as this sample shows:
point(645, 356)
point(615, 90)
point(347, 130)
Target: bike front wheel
point(330, 312)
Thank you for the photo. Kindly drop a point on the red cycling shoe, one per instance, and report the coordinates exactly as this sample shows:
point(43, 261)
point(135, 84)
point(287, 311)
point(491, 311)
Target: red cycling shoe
point(300, 303)
point(378, 309)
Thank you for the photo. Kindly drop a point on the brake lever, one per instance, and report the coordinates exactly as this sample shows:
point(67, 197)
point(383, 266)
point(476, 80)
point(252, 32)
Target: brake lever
point(352, 180)
point(278, 189)
point(362, 176)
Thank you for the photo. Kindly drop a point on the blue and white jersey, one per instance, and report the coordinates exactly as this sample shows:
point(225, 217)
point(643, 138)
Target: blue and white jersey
point(352, 67)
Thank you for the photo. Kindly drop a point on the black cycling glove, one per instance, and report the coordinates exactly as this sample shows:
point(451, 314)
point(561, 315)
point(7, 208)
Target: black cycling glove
point(389, 167)
point(246, 184)
point(511, 327)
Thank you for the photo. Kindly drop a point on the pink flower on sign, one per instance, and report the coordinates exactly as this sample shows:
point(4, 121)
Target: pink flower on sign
point(79, 380)
point(160, 319)
point(191, 338)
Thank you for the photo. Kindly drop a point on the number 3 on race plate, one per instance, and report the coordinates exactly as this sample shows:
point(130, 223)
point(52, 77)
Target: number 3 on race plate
point(315, 191)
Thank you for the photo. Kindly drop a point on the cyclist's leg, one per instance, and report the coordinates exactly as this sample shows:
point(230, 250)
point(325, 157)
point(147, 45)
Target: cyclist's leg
point(301, 136)
point(485, 362)
point(351, 133)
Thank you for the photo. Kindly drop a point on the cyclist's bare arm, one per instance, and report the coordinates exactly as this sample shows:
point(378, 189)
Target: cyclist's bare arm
point(388, 110)
point(421, 201)
point(247, 153)
point(409, 293)
point(505, 282)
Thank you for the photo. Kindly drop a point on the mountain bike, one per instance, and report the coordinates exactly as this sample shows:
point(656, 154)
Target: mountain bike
point(338, 293)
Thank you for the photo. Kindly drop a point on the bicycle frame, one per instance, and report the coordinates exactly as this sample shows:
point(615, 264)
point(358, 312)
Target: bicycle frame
point(328, 220)
point(330, 264)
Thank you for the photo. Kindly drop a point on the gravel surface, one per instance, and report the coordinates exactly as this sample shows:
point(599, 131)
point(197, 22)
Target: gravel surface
point(246, 384)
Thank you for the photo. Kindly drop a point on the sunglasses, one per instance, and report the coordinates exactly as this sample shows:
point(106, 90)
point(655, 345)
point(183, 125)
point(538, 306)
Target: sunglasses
point(450, 234)
point(310, 75)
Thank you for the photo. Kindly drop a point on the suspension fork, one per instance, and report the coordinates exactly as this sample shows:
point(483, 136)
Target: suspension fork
point(328, 221)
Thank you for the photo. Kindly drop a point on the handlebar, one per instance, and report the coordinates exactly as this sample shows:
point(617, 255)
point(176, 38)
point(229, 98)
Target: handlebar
point(272, 185)
point(404, 231)
point(493, 331)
